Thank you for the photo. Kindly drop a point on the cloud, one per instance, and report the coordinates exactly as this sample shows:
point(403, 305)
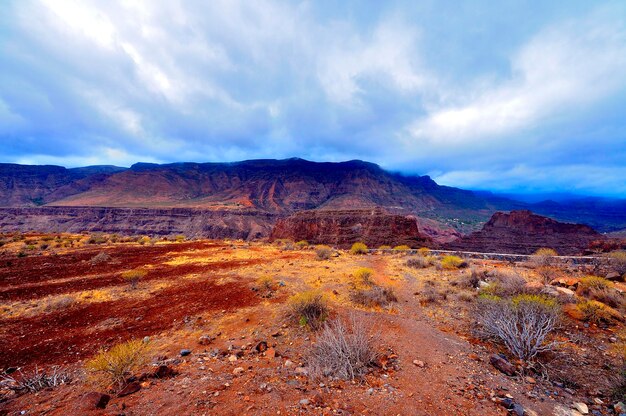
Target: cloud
point(468, 93)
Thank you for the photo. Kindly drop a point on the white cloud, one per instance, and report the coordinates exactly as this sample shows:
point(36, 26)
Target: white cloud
point(561, 69)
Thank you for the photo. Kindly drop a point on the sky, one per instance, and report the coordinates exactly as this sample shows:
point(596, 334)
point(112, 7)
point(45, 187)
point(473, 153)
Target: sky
point(511, 96)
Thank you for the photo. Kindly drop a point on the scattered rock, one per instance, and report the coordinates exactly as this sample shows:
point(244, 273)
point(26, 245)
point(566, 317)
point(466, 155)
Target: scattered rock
point(571, 310)
point(289, 363)
point(619, 408)
point(518, 410)
point(530, 380)
point(419, 363)
point(238, 370)
point(95, 400)
point(581, 407)
point(164, 371)
point(185, 352)
point(261, 346)
point(205, 340)
point(301, 371)
point(232, 358)
point(130, 388)
point(528, 412)
point(565, 291)
point(304, 402)
point(613, 276)
point(270, 353)
point(502, 364)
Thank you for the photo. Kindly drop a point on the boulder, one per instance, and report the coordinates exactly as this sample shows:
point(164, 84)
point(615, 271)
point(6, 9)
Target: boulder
point(95, 400)
point(502, 364)
point(130, 388)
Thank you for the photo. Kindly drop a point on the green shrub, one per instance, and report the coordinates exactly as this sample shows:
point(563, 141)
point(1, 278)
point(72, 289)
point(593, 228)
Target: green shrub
point(358, 248)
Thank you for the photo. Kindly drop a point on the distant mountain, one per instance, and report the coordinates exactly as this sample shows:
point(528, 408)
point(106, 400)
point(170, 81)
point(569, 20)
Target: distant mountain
point(279, 187)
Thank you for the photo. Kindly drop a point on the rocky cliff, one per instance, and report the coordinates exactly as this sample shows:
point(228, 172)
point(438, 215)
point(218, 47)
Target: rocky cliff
point(204, 223)
point(523, 232)
point(343, 228)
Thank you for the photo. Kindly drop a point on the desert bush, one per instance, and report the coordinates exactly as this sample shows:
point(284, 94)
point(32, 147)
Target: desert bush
point(594, 312)
point(505, 283)
point(116, 365)
point(134, 276)
point(423, 251)
point(358, 248)
point(547, 273)
point(522, 323)
point(180, 238)
point(363, 276)
point(309, 308)
point(57, 303)
point(384, 247)
point(375, 296)
point(543, 257)
point(402, 247)
point(265, 285)
point(453, 262)
point(469, 280)
point(99, 258)
point(96, 239)
point(618, 261)
point(323, 252)
point(343, 349)
point(431, 295)
point(302, 244)
point(37, 380)
point(419, 262)
point(600, 289)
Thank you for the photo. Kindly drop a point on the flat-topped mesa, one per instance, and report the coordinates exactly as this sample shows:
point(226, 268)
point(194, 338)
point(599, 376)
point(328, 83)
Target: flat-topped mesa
point(522, 232)
point(342, 228)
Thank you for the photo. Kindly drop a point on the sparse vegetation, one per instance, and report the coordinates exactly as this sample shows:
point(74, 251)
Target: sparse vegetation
point(374, 296)
point(57, 303)
point(402, 247)
point(37, 380)
point(594, 312)
point(522, 323)
point(134, 276)
point(363, 277)
point(302, 244)
point(100, 258)
point(310, 309)
point(343, 349)
point(420, 262)
point(505, 283)
point(180, 238)
point(543, 257)
point(618, 261)
point(97, 239)
point(453, 263)
point(423, 251)
point(384, 247)
point(358, 248)
point(323, 252)
point(116, 365)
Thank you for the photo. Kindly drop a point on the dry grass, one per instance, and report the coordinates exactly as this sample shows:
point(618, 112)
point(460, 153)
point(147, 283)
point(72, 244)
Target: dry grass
point(343, 349)
point(116, 365)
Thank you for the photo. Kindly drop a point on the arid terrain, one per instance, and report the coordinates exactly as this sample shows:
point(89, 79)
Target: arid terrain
point(216, 319)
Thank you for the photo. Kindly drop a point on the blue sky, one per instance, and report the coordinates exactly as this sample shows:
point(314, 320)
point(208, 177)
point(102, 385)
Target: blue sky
point(506, 96)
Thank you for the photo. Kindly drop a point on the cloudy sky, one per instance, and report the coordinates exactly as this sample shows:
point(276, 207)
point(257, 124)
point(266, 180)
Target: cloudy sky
point(507, 96)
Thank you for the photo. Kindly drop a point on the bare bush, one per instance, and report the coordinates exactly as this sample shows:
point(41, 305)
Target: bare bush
point(37, 380)
point(59, 303)
point(343, 349)
point(618, 261)
point(522, 323)
point(544, 257)
point(99, 258)
point(505, 283)
point(419, 262)
point(469, 280)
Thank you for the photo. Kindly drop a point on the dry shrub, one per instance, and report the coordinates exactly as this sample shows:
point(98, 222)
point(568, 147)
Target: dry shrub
point(432, 295)
point(618, 261)
point(363, 277)
point(323, 252)
point(469, 280)
point(543, 257)
point(37, 380)
point(180, 238)
point(58, 303)
point(116, 365)
point(265, 285)
point(505, 283)
point(420, 262)
point(358, 248)
point(594, 312)
point(384, 247)
point(547, 273)
point(402, 247)
point(309, 308)
point(302, 244)
point(134, 276)
point(600, 289)
point(522, 323)
point(99, 258)
point(343, 349)
point(375, 296)
point(453, 262)
point(96, 239)
point(423, 251)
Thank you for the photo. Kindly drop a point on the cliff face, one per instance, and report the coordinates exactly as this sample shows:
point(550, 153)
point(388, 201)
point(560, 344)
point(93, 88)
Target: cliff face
point(523, 232)
point(134, 221)
point(343, 228)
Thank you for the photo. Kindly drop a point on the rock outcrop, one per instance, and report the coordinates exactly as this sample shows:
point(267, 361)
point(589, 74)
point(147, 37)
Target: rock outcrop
point(343, 228)
point(240, 224)
point(523, 232)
